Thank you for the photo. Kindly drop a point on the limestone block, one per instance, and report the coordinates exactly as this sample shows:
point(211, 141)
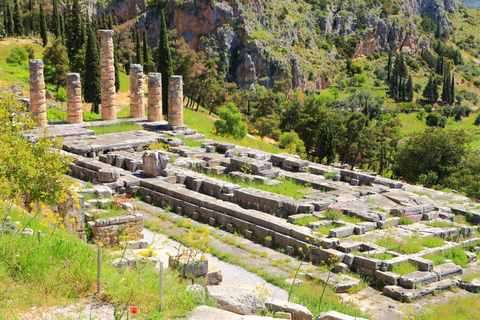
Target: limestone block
point(137, 108)
point(37, 92)
point(236, 299)
point(109, 111)
point(108, 175)
point(74, 98)
point(297, 311)
point(334, 315)
point(175, 101)
point(213, 277)
point(154, 162)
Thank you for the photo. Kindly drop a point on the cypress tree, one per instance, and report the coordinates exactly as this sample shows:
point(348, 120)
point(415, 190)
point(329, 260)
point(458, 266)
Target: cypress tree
point(447, 87)
point(164, 63)
point(18, 20)
point(110, 22)
point(117, 74)
point(61, 28)
point(452, 92)
point(43, 26)
point(10, 25)
point(389, 66)
point(430, 93)
point(398, 79)
point(146, 53)
point(438, 32)
point(138, 49)
point(74, 40)
point(409, 89)
point(92, 79)
point(127, 64)
point(55, 25)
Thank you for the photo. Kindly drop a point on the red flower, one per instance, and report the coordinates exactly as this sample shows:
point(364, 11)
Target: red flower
point(133, 309)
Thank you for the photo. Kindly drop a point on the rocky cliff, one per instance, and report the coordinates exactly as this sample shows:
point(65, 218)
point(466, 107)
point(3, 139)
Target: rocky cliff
point(272, 40)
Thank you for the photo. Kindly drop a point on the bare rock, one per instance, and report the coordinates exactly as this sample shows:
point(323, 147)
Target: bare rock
point(297, 311)
point(334, 315)
point(108, 175)
point(234, 299)
point(213, 277)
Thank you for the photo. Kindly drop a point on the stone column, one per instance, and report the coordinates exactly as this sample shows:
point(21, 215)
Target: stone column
point(109, 105)
point(74, 98)
point(137, 108)
point(38, 105)
point(175, 101)
point(154, 97)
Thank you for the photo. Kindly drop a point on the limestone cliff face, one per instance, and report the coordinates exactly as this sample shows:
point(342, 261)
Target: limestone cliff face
point(272, 40)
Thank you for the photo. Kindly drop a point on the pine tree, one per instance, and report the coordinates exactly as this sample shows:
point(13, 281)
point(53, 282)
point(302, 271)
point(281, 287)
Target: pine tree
point(138, 49)
point(18, 20)
point(164, 62)
point(55, 25)
point(92, 78)
point(430, 93)
point(146, 52)
point(43, 26)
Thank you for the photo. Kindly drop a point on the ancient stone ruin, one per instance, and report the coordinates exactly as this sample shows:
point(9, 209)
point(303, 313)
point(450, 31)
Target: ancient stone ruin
point(37, 92)
point(109, 104)
point(175, 101)
point(74, 98)
point(154, 97)
point(137, 108)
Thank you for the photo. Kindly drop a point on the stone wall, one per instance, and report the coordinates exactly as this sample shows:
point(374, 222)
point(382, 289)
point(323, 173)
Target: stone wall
point(112, 231)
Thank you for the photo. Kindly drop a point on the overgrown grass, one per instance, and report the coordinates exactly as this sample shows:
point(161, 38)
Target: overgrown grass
point(404, 268)
point(472, 276)
point(57, 115)
point(288, 188)
point(458, 256)
point(381, 256)
point(351, 219)
point(437, 258)
point(431, 242)
point(116, 127)
point(204, 125)
point(63, 269)
point(455, 309)
point(326, 229)
point(411, 245)
point(304, 221)
point(440, 223)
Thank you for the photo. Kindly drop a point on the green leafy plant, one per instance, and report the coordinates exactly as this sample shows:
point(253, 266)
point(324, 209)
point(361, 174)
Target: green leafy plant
point(333, 213)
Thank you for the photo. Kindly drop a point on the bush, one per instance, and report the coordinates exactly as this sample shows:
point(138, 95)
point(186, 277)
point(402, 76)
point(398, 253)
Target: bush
point(333, 213)
point(290, 140)
point(230, 122)
point(17, 55)
point(61, 95)
point(477, 120)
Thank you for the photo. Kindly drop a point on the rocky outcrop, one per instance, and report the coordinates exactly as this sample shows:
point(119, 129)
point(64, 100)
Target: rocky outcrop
point(255, 45)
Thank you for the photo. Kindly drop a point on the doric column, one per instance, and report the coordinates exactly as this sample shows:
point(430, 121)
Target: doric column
point(137, 109)
point(109, 104)
point(175, 101)
point(74, 98)
point(38, 105)
point(154, 97)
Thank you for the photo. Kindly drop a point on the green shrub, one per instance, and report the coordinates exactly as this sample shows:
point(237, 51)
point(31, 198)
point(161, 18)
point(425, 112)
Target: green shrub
point(304, 221)
point(458, 256)
point(330, 175)
point(432, 242)
point(333, 213)
point(404, 268)
point(61, 95)
point(17, 55)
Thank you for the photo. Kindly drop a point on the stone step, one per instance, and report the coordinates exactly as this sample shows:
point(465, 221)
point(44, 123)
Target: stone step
point(409, 295)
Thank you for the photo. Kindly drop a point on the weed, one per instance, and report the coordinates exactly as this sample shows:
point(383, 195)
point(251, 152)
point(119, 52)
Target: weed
point(472, 276)
point(437, 258)
point(440, 223)
point(304, 221)
point(432, 242)
point(116, 127)
point(351, 219)
point(333, 213)
point(405, 268)
point(330, 175)
point(326, 229)
point(458, 256)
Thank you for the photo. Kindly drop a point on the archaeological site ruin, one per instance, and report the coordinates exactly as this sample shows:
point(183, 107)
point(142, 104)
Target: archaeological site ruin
point(383, 223)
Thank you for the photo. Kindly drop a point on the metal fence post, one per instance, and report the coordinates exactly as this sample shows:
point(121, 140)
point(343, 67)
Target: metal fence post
point(99, 268)
point(161, 287)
